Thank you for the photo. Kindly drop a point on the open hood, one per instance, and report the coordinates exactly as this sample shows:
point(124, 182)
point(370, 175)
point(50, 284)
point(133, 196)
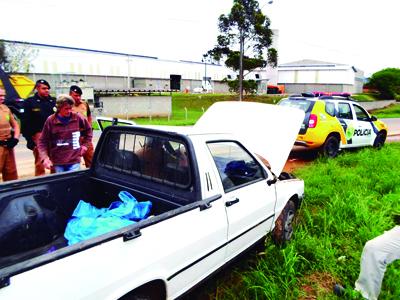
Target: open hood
point(268, 130)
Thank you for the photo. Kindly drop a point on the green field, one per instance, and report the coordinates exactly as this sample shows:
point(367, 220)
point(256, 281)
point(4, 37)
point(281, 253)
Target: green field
point(393, 111)
point(348, 200)
point(187, 108)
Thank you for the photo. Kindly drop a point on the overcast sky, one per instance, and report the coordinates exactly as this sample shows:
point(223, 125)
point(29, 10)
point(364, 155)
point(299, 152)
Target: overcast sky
point(363, 33)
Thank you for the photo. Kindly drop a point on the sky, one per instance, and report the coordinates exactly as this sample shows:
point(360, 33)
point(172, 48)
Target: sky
point(362, 33)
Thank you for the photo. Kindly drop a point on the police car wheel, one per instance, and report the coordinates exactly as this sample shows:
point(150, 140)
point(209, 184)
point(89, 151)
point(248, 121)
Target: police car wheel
point(379, 140)
point(331, 147)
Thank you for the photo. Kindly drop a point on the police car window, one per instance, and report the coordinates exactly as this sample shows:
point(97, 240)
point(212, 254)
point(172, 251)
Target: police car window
point(344, 111)
point(235, 165)
point(361, 113)
point(330, 108)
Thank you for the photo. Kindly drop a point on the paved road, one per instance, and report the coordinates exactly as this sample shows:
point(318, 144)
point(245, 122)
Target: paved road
point(25, 157)
point(393, 125)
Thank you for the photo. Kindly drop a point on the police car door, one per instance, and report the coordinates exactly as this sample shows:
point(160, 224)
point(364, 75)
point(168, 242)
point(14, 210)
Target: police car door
point(346, 119)
point(364, 130)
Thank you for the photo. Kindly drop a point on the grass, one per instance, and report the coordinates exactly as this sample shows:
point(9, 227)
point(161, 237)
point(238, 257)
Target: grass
point(392, 111)
point(187, 108)
point(365, 97)
point(348, 200)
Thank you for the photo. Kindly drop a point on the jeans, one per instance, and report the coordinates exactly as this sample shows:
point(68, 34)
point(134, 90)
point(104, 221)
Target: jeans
point(66, 168)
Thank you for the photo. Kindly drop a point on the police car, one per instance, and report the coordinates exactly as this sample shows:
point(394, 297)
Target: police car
point(332, 123)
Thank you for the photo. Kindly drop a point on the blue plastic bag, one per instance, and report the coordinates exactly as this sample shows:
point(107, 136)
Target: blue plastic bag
point(89, 221)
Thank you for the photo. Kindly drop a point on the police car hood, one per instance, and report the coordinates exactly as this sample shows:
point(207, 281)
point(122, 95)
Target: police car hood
point(267, 130)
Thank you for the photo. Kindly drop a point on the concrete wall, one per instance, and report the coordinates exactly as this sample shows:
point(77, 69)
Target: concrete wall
point(127, 107)
point(297, 88)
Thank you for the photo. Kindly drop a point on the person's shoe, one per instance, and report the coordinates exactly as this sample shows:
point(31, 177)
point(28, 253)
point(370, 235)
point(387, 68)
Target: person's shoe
point(338, 290)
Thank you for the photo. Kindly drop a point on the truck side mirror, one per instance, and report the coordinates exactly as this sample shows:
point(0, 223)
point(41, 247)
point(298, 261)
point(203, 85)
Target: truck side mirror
point(373, 118)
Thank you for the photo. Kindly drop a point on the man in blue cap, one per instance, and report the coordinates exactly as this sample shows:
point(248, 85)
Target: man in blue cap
point(36, 111)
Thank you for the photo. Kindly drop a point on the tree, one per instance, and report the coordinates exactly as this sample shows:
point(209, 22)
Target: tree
point(16, 58)
point(386, 82)
point(3, 58)
point(249, 86)
point(248, 29)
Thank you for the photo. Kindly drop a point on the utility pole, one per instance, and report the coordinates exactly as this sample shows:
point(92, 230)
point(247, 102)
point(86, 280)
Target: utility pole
point(205, 71)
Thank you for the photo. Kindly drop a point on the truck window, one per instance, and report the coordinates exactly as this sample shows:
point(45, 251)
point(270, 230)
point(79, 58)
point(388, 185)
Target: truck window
point(154, 158)
point(235, 165)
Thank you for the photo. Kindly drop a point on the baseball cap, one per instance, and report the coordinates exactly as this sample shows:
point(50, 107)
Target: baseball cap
point(76, 89)
point(42, 81)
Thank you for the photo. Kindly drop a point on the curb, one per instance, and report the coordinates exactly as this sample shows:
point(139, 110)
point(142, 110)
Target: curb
point(393, 133)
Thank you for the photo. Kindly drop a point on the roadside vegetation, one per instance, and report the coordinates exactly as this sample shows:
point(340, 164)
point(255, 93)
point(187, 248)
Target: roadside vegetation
point(366, 97)
point(187, 108)
point(348, 200)
point(392, 111)
point(386, 82)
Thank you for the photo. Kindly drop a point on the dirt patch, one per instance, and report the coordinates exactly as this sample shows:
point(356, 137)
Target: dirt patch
point(316, 285)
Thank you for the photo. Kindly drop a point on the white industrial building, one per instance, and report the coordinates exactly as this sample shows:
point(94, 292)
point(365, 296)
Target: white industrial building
point(312, 75)
point(106, 70)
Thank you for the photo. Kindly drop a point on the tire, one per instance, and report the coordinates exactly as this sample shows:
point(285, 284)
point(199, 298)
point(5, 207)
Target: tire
point(283, 230)
point(331, 147)
point(380, 140)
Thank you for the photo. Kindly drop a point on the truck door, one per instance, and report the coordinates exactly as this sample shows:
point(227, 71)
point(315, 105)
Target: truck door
point(249, 201)
point(364, 132)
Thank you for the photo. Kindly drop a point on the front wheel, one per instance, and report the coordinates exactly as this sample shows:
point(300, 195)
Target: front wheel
point(283, 230)
point(380, 140)
point(331, 147)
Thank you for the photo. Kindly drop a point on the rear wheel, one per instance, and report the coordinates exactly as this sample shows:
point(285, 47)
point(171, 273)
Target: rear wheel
point(331, 147)
point(380, 140)
point(283, 230)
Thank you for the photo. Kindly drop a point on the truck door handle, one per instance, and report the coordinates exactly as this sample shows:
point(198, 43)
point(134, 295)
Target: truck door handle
point(231, 202)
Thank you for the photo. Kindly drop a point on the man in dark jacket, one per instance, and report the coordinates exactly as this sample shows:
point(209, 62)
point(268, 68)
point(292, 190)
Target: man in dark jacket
point(36, 111)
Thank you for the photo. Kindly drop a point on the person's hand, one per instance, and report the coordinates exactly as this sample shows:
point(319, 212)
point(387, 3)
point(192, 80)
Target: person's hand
point(47, 163)
point(83, 150)
point(12, 142)
point(30, 144)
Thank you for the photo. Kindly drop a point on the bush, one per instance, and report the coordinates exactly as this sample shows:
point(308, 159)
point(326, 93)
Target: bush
point(249, 86)
point(387, 82)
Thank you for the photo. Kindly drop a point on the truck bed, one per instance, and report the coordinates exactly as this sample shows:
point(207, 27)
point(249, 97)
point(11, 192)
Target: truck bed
point(34, 213)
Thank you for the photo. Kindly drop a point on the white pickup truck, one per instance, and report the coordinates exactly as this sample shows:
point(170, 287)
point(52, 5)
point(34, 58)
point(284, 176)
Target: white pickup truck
point(212, 198)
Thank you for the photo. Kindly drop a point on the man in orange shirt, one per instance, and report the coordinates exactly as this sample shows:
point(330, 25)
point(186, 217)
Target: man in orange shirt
point(9, 135)
point(83, 109)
